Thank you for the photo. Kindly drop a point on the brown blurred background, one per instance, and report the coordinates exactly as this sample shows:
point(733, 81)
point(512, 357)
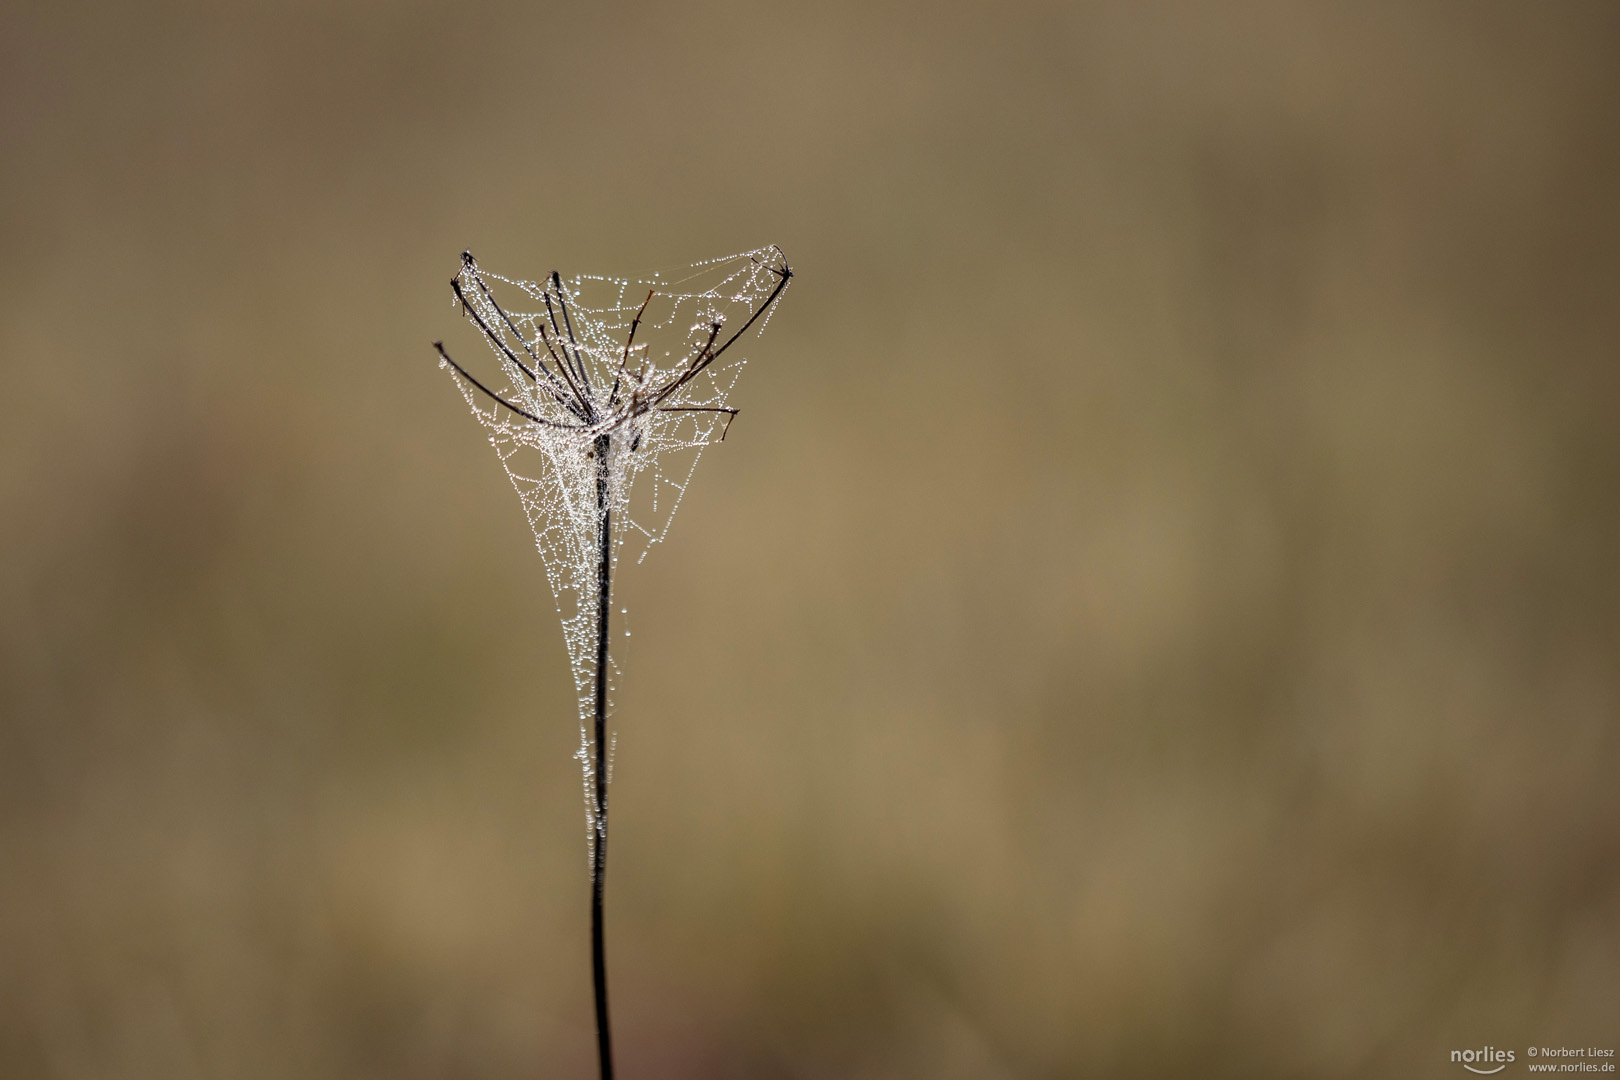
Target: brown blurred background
point(1156, 615)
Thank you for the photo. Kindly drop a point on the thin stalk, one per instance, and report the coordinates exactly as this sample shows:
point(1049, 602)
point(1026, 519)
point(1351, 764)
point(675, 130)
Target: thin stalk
point(604, 576)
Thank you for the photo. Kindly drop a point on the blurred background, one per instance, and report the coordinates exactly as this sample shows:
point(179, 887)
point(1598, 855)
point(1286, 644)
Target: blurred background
point(1156, 614)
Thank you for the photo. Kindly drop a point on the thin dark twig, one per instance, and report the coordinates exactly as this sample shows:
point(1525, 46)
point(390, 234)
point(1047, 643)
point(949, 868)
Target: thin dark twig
point(547, 342)
point(552, 315)
point(604, 571)
point(786, 275)
point(731, 413)
point(635, 322)
point(613, 395)
point(562, 298)
point(698, 408)
point(471, 264)
point(497, 398)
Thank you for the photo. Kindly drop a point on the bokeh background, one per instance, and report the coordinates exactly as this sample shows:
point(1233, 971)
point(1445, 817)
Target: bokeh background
point(1156, 615)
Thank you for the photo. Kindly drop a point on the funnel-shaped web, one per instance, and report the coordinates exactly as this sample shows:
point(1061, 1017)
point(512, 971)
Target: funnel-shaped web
point(601, 396)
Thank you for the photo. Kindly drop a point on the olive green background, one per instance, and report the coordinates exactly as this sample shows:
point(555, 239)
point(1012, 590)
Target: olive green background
point(1156, 615)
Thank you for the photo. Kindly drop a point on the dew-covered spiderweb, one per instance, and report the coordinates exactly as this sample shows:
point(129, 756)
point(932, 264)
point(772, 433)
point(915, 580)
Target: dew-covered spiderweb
point(641, 368)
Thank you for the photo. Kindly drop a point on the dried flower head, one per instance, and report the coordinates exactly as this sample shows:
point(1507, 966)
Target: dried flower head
point(600, 433)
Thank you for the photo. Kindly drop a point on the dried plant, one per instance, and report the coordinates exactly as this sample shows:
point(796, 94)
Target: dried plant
point(600, 434)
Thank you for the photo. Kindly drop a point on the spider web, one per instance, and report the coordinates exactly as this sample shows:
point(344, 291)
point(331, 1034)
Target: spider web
point(594, 360)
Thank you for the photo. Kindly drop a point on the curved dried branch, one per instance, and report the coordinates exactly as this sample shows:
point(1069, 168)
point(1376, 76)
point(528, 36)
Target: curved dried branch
point(492, 395)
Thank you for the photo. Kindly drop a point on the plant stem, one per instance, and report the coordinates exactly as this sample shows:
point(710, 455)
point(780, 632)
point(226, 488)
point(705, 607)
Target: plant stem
point(604, 575)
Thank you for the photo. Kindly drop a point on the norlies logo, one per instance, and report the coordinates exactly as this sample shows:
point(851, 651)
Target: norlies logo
point(1483, 1061)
